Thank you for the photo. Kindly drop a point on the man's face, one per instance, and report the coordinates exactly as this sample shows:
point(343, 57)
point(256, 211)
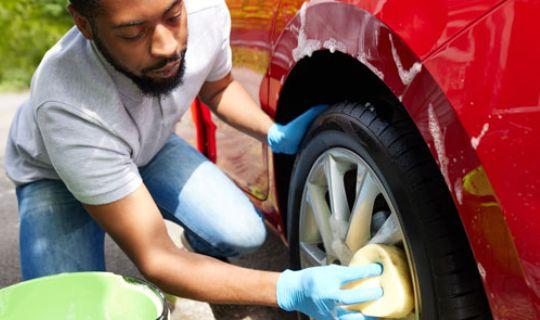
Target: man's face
point(144, 39)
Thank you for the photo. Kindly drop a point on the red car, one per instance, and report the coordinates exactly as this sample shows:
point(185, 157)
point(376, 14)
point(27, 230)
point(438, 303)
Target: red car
point(431, 142)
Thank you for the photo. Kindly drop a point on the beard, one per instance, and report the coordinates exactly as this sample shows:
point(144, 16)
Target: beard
point(149, 86)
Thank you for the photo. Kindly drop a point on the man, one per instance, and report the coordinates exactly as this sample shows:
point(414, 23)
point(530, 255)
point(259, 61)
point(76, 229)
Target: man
point(93, 151)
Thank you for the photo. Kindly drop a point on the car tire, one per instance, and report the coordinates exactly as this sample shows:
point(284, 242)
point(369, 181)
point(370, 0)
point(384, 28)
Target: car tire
point(448, 284)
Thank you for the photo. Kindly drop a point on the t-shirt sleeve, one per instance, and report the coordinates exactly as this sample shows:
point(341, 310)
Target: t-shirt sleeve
point(94, 164)
point(223, 61)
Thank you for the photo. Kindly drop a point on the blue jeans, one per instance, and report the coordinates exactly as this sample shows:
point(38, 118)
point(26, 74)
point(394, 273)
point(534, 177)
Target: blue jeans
point(58, 235)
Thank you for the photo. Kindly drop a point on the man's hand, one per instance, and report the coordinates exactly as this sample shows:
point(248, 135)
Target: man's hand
point(317, 291)
point(287, 138)
point(232, 104)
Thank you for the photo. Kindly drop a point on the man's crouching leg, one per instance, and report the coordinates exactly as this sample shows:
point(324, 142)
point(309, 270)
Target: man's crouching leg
point(218, 218)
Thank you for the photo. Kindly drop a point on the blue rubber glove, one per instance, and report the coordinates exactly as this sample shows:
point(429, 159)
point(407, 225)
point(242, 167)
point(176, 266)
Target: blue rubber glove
point(287, 138)
point(317, 291)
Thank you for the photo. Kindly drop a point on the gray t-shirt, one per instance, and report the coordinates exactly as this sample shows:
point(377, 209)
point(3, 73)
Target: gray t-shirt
point(90, 126)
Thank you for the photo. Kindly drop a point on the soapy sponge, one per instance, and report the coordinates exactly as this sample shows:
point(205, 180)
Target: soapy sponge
point(398, 299)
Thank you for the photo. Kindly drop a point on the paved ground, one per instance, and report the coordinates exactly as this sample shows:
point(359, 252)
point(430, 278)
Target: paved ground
point(272, 256)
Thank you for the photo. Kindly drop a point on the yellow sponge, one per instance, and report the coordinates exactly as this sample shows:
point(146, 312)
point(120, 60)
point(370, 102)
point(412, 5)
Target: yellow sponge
point(398, 299)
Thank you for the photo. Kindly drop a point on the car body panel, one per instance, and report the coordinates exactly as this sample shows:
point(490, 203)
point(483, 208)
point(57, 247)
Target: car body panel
point(437, 20)
point(488, 74)
point(464, 72)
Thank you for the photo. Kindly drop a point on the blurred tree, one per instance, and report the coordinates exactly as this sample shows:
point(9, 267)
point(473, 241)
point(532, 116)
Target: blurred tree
point(29, 29)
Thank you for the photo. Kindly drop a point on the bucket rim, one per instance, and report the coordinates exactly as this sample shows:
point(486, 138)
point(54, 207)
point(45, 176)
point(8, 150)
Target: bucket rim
point(156, 290)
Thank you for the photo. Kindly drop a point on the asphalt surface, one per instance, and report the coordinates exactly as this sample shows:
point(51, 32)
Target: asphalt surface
point(272, 256)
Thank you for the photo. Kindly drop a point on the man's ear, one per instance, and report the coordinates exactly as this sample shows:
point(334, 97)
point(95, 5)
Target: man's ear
point(82, 23)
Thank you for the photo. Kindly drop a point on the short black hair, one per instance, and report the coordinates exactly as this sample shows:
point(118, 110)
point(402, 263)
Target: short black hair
point(87, 8)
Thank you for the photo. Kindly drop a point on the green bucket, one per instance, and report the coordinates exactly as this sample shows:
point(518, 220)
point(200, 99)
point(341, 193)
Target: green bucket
point(83, 295)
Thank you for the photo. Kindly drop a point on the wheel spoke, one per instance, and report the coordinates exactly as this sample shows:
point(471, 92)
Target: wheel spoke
point(361, 173)
point(334, 172)
point(389, 233)
point(359, 229)
point(321, 213)
point(312, 255)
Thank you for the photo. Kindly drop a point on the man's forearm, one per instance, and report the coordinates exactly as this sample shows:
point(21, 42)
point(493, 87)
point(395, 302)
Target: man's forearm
point(138, 228)
point(203, 278)
point(238, 109)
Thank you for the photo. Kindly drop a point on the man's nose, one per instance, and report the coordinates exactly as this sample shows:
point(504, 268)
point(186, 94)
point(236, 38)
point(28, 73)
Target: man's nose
point(164, 43)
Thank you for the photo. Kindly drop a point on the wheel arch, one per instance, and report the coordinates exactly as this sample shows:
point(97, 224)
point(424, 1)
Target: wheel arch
point(369, 62)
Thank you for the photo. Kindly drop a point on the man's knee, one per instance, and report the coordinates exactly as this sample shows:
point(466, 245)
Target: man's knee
point(252, 240)
point(245, 237)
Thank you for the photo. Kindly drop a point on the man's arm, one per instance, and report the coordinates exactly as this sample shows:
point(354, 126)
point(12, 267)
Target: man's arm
point(232, 104)
point(137, 226)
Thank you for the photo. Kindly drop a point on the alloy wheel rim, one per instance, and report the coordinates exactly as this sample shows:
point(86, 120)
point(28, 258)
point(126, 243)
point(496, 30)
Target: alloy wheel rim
point(345, 207)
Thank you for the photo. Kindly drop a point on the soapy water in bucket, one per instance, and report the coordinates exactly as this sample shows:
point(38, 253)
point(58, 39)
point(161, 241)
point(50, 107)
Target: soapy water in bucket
point(83, 295)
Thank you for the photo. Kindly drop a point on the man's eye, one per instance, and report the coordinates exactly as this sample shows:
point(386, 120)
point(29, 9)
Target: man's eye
point(131, 38)
point(175, 18)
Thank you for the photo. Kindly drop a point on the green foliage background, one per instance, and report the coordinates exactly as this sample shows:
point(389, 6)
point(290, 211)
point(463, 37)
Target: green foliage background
point(28, 28)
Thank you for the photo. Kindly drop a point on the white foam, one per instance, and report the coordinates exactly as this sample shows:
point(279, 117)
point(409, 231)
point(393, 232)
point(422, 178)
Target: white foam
point(406, 76)
point(475, 141)
point(333, 45)
point(458, 190)
point(363, 58)
point(438, 139)
point(305, 46)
